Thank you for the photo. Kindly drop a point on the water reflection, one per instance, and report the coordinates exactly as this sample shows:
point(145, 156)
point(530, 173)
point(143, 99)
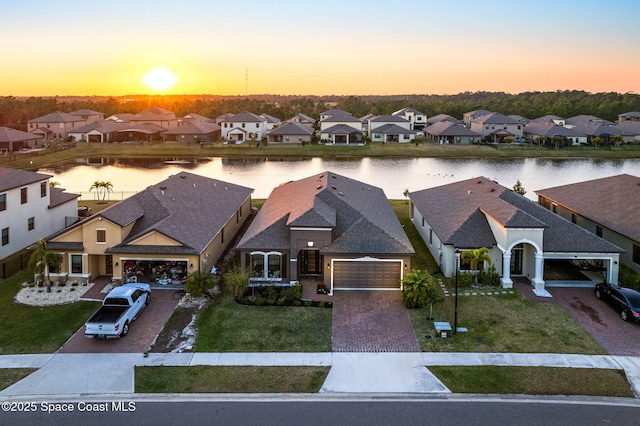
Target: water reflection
point(394, 175)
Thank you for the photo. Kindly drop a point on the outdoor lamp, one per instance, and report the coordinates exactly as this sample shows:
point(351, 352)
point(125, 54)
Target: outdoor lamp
point(455, 309)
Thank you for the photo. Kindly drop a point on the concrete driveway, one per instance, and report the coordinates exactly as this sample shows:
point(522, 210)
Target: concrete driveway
point(142, 331)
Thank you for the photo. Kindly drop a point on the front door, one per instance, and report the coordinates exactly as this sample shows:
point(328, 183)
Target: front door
point(108, 259)
point(516, 260)
point(310, 262)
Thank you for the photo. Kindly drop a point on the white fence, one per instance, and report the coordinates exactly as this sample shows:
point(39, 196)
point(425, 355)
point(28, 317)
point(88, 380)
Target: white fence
point(111, 196)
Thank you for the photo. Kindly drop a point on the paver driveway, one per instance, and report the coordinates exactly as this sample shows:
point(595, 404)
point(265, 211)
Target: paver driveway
point(371, 321)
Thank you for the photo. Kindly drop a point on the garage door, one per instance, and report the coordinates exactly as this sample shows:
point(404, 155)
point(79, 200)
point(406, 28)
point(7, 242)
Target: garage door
point(366, 275)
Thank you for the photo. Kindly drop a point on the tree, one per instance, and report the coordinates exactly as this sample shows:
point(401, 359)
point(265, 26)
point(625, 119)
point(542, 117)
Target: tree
point(44, 260)
point(406, 194)
point(101, 188)
point(237, 280)
point(508, 139)
point(420, 288)
point(198, 283)
point(518, 188)
point(616, 140)
point(540, 140)
point(596, 141)
point(475, 257)
point(106, 188)
point(557, 141)
point(54, 183)
point(95, 186)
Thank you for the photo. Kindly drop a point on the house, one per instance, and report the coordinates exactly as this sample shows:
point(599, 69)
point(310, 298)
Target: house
point(244, 126)
point(99, 131)
point(494, 127)
point(290, 133)
point(417, 119)
point(88, 115)
point(56, 125)
point(519, 118)
point(607, 207)
point(158, 116)
point(629, 116)
point(585, 119)
point(555, 119)
point(195, 132)
point(549, 130)
point(631, 130)
point(390, 128)
point(272, 122)
point(332, 112)
point(303, 119)
point(330, 229)
point(341, 129)
point(521, 235)
point(441, 117)
point(15, 140)
point(30, 209)
point(602, 131)
point(194, 118)
point(470, 116)
point(178, 226)
point(124, 117)
point(451, 132)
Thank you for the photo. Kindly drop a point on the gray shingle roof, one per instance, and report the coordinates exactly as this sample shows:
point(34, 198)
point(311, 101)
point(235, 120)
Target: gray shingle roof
point(449, 128)
point(392, 128)
point(494, 118)
point(291, 129)
point(550, 129)
point(245, 117)
point(613, 202)
point(11, 178)
point(458, 214)
point(7, 134)
point(194, 128)
point(57, 117)
point(360, 215)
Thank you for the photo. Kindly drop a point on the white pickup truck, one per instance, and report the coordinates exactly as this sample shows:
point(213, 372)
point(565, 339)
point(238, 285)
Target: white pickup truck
point(121, 306)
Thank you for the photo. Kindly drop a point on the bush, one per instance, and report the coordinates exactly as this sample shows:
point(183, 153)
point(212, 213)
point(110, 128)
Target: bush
point(236, 280)
point(490, 278)
point(198, 283)
point(628, 278)
point(465, 280)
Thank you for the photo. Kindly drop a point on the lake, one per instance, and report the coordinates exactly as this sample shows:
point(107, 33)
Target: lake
point(392, 175)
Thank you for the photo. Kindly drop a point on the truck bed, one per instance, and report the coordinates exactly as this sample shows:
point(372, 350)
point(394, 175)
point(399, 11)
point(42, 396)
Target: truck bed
point(107, 314)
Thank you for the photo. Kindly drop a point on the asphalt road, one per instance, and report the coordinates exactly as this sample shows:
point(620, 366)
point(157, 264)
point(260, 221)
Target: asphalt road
point(377, 410)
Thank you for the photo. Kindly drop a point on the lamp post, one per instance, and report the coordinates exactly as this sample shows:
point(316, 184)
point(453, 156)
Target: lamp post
point(455, 309)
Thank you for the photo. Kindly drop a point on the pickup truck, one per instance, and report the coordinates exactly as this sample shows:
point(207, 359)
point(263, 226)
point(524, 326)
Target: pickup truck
point(121, 306)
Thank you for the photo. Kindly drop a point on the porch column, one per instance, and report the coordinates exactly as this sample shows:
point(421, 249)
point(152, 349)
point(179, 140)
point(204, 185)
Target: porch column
point(538, 280)
point(506, 271)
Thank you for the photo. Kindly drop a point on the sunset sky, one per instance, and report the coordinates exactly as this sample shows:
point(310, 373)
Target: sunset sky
point(298, 47)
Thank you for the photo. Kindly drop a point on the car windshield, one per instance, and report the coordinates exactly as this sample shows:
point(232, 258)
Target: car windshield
point(634, 299)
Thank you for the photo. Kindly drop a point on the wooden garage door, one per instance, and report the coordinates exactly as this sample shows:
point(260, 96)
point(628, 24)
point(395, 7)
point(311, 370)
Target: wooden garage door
point(366, 275)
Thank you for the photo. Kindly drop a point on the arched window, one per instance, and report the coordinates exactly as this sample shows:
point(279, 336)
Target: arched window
point(267, 266)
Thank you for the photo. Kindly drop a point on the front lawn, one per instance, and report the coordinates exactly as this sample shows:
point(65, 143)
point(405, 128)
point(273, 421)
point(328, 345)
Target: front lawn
point(34, 329)
point(9, 376)
point(225, 326)
point(534, 381)
point(504, 323)
point(209, 379)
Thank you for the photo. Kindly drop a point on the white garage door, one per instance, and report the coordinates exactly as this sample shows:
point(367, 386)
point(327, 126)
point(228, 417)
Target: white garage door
point(366, 275)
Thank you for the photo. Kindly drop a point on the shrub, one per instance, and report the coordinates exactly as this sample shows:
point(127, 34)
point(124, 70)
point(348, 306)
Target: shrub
point(465, 279)
point(490, 278)
point(419, 289)
point(198, 283)
point(236, 280)
point(629, 278)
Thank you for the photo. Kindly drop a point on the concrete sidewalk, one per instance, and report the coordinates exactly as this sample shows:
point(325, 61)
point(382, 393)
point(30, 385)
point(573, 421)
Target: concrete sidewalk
point(351, 372)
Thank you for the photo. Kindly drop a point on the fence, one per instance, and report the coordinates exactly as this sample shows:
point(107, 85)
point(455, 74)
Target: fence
point(111, 196)
point(14, 263)
point(8, 157)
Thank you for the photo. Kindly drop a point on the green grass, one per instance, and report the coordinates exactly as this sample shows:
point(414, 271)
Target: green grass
point(534, 381)
point(504, 323)
point(226, 326)
point(33, 329)
point(9, 376)
point(207, 379)
point(422, 259)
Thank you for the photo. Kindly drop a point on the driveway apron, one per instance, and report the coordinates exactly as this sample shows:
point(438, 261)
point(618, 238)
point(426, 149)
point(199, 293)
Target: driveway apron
point(371, 321)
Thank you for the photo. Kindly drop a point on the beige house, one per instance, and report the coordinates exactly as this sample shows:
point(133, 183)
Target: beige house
point(494, 127)
point(178, 226)
point(56, 125)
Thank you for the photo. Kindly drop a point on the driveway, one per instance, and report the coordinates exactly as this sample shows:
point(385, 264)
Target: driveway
point(601, 321)
point(371, 321)
point(142, 332)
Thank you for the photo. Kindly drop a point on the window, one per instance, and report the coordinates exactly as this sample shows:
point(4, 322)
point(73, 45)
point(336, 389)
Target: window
point(266, 266)
point(5, 236)
point(257, 125)
point(274, 266)
point(53, 268)
point(286, 138)
point(76, 263)
point(3, 202)
point(554, 208)
point(43, 189)
point(222, 236)
point(599, 231)
point(636, 254)
point(31, 223)
point(23, 195)
point(243, 125)
point(101, 236)
point(430, 236)
point(574, 218)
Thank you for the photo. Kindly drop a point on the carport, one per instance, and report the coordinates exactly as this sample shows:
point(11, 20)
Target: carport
point(366, 274)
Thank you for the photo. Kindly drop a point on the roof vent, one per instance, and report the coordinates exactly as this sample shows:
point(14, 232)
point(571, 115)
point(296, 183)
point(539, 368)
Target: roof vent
point(478, 181)
point(319, 187)
point(469, 192)
point(183, 176)
point(490, 189)
point(333, 187)
point(194, 185)
point(163, 187)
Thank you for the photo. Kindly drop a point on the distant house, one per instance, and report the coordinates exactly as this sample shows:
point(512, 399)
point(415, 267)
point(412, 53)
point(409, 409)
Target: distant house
point(607, 207)
point(631, 130)
point(202, 132)
point(390, 128)
point(244, 126)
point(470, 116)
point(290, 133)
point(56, 125)
point(519, 118)
point(522, 236)
point(158, 116)
point(303, 119)
point(550, 119)
point(494, 127)
point(15, 140)
point(603, 131)
point(585, 119)
point(327, 228)
point(31, 210)
point(100, 131)
point(341, 129)
point(417, 119)
point(272, 122)
point(441, 117)
point(178, 226)
point(88, 115)
point(549, 130)
point(451, 132)
point(193, 118)
point(331, 113)
point(629, 116)
point(124, 117)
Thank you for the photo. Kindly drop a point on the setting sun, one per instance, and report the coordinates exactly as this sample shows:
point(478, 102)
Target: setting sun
point(160, 78)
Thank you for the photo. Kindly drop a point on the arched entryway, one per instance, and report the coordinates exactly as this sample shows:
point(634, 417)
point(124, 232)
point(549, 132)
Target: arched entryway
point(523, 258)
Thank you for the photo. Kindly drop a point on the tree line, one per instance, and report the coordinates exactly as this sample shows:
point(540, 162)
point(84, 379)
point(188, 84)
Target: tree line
point(15, 112)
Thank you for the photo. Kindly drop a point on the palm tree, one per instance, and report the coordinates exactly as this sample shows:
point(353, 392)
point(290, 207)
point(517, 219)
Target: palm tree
point(475, 257)
point(616, 140)
point(95, 186)
point(54, 183)
point(42, 259)
point(540, 140)
point(420, 288)
point(406, 194)
point(106, 188)
point(596, 141)
point(557, 141)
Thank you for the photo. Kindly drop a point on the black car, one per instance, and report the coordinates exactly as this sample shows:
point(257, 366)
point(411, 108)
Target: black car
point(624, 300)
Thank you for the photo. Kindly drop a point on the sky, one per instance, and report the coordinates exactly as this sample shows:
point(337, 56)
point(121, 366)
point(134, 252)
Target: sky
point(333, 47)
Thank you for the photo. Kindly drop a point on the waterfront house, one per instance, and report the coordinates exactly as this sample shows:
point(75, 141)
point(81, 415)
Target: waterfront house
point(417, 119)
point(330, 229)
point(15, 140)
point(290, 133)
point(194, 132)
point(451, 132)
point(390, 128)
point(549, 130)
point(341, 129)
point(244, 126)
point(522, 236)
point(56, 125)
point(494, 127)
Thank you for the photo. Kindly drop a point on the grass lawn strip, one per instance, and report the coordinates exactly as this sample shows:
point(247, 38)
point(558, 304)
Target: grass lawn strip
point(9, 376)
point(534, 381)
point(210, 379)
